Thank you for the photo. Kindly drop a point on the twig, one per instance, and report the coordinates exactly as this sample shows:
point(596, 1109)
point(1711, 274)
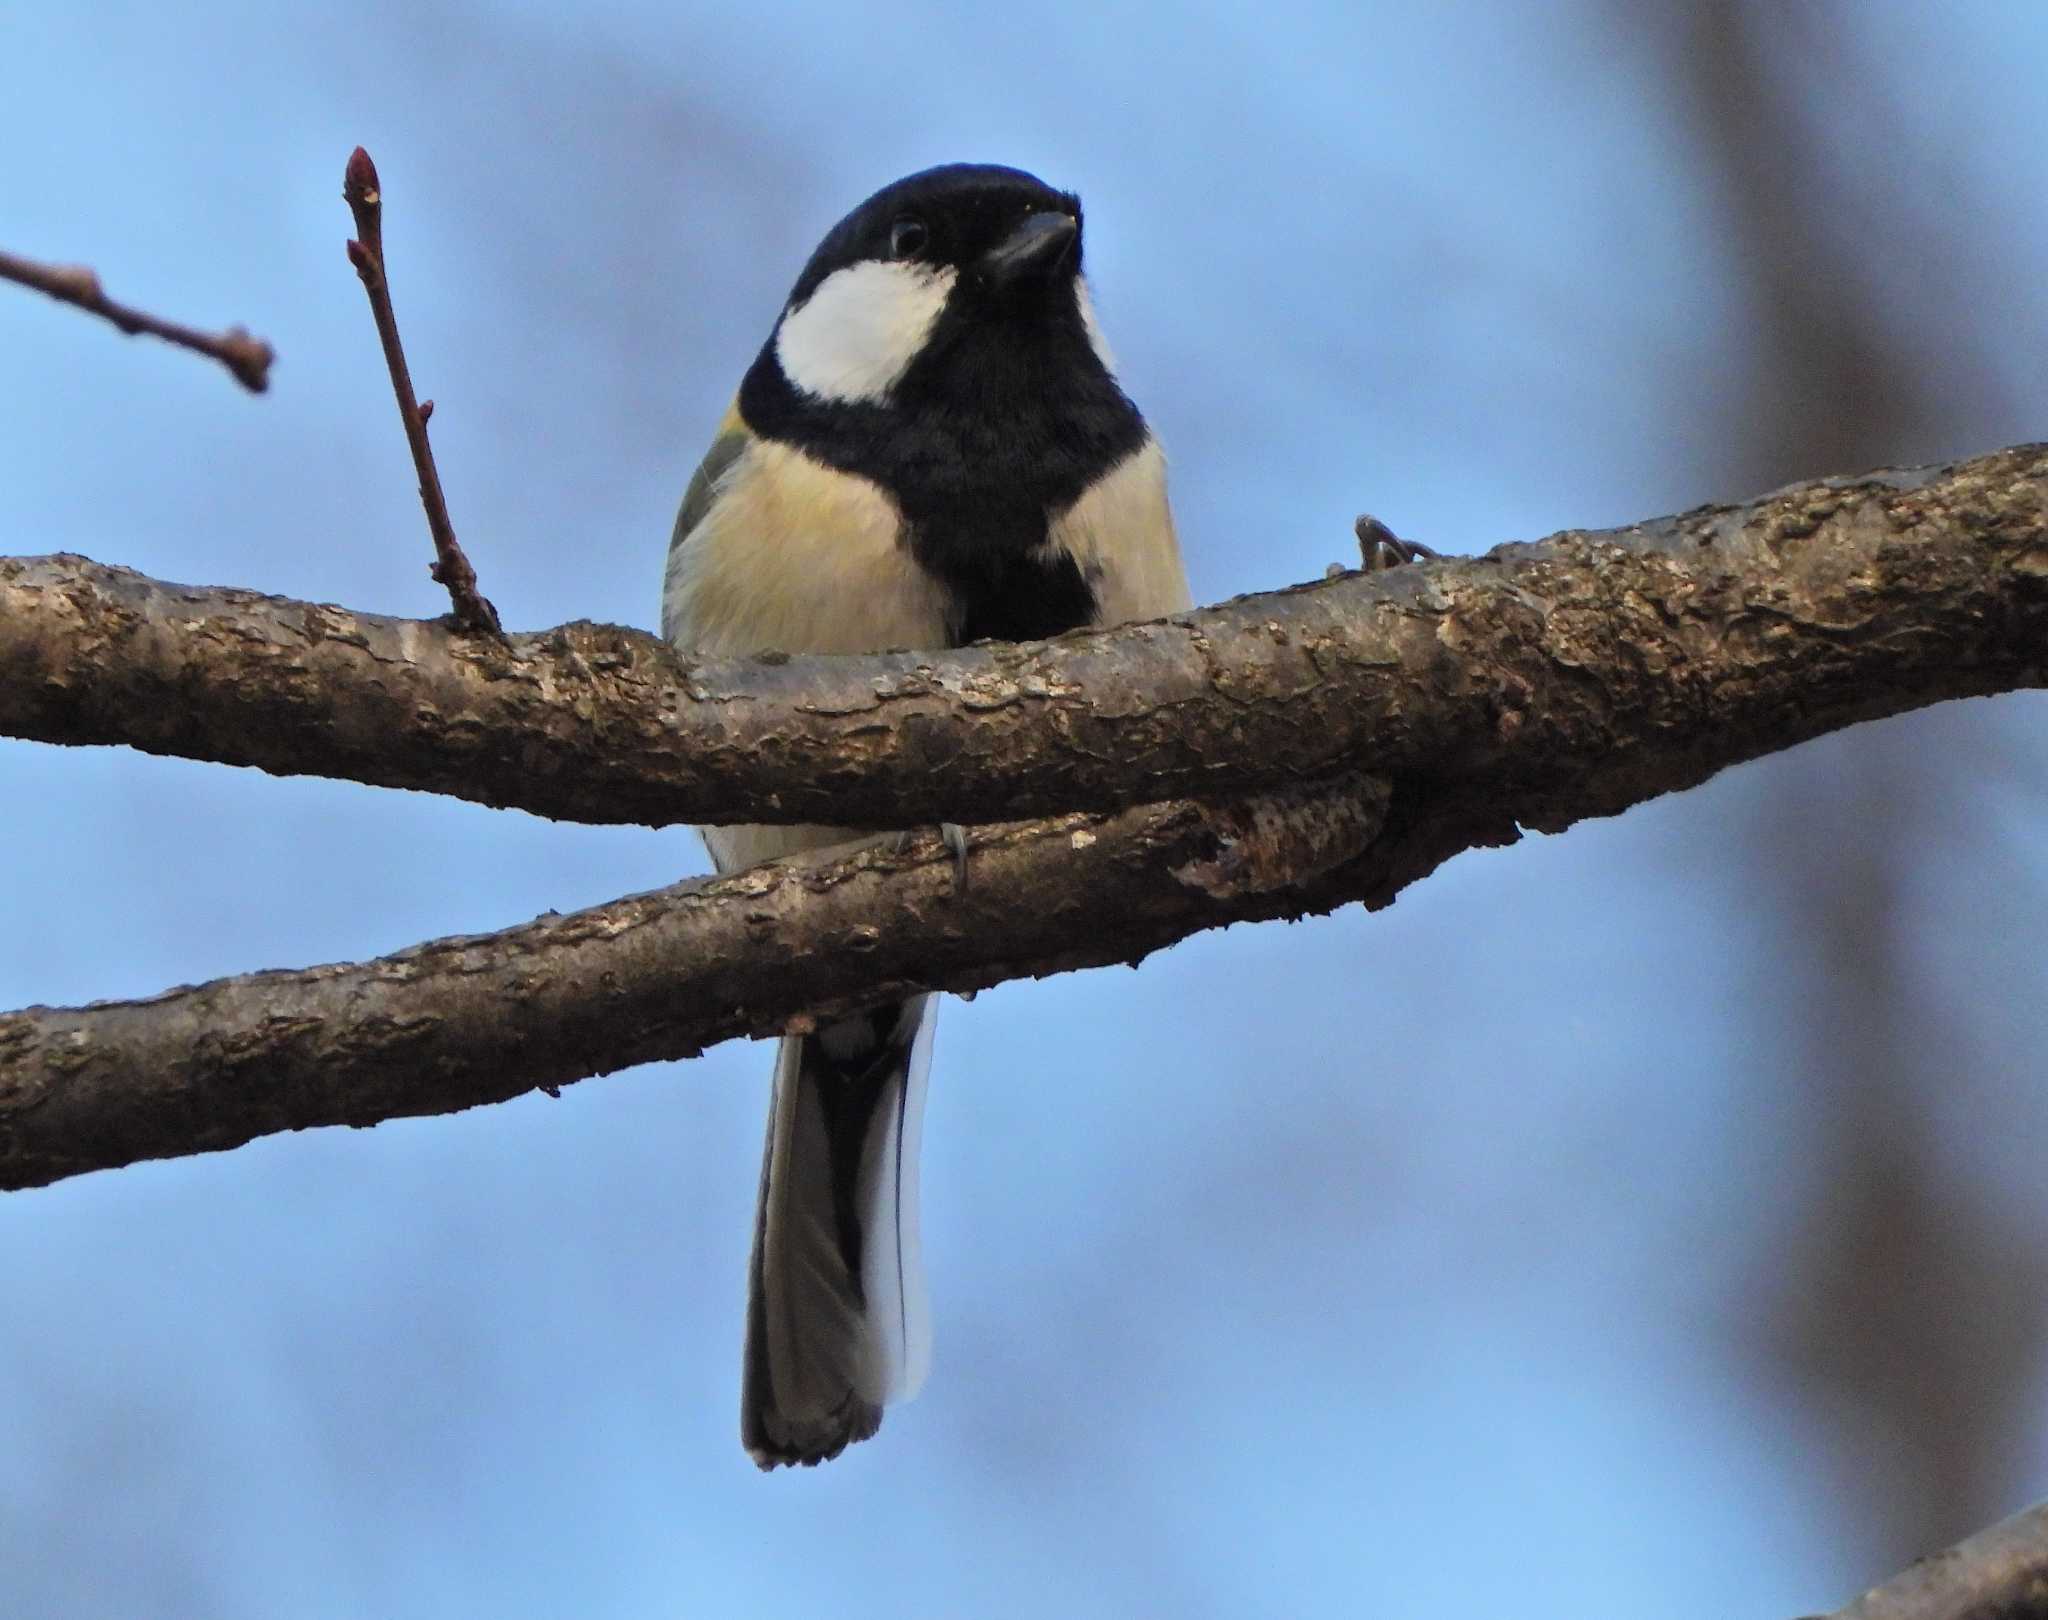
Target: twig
point(247, 358)
point(1998, 1574)
point(365, 198)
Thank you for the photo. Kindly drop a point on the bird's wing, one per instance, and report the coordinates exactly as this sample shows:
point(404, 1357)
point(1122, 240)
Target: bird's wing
point(727, 447)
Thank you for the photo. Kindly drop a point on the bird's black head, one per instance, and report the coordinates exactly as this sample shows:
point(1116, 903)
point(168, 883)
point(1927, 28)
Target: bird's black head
point(945, 256)
point(992, 227)
point(941, 343)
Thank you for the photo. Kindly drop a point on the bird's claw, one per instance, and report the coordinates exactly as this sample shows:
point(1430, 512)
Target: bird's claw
point(1379, 548)
point(954, 837)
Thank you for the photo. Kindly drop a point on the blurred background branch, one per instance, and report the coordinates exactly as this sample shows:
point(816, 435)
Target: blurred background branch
point(1905, 1308)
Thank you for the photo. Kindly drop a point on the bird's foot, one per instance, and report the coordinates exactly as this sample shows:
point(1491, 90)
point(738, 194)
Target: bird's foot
point(1379, 548)
point(952, 835)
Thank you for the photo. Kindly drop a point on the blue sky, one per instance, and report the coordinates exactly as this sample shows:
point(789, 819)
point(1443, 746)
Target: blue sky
point(1360, 1266)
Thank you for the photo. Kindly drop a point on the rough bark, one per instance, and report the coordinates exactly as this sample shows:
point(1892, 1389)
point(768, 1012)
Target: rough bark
point(478, 1019)
point(1580, 674)
point(1532, 687)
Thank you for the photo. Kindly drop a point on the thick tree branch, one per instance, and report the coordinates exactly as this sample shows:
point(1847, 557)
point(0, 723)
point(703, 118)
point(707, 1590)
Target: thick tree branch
point(1998, 1574)
point(1578, 676)
point(478, 1019)
point(1529, 688)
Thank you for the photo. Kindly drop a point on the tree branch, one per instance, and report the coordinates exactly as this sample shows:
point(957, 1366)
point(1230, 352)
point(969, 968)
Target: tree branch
point(1998, 1574)
point(1528, 688)
point(248, 359)
point(364, 194)
point(478, 1019)
point(1578, 676)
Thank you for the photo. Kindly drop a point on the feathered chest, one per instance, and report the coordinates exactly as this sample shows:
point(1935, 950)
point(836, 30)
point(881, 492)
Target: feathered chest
point(980, 445)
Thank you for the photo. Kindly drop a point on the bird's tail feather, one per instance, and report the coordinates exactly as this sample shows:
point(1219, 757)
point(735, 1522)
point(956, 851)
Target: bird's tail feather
point(837, 1319)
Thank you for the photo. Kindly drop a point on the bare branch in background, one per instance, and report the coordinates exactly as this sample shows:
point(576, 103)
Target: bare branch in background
point(365, 197)
point(1903, 1313)
point(247, 358)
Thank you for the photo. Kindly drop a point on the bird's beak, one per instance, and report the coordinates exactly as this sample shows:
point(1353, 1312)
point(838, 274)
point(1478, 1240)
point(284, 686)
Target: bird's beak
point(1035, 248)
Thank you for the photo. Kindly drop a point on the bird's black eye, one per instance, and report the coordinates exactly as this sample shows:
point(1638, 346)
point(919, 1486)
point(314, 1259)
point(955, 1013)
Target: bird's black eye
point(907, 237)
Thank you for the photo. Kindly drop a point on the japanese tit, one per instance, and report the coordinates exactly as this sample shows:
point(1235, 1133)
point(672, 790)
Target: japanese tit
point(930, 449)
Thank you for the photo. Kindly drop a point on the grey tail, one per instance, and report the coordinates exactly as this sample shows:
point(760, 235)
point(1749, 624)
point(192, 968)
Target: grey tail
point(837, 1320)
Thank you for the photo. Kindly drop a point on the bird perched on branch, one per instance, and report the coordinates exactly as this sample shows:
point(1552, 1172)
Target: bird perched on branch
point(932, 448)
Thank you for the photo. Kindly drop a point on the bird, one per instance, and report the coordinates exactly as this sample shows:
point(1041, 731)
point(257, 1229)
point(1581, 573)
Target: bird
point(932, 448)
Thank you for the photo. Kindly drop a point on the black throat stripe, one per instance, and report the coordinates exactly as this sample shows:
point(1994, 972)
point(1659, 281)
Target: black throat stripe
point(991, 430)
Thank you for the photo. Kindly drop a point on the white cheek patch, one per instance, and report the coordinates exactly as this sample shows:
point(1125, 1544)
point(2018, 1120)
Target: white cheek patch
point(1085, 302)
point(857, 334)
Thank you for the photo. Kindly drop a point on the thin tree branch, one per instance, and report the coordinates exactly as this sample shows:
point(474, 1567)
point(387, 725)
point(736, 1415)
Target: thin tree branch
point(1998, 1574)
point(365, 197)
point(1577, 676)
point(248, 359)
